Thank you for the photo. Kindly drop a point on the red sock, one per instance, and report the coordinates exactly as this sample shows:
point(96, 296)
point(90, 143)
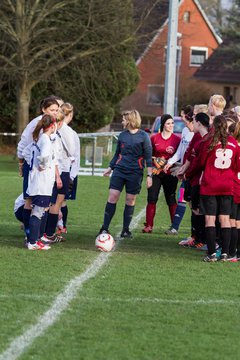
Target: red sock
point(172, 210)
point(150, 213)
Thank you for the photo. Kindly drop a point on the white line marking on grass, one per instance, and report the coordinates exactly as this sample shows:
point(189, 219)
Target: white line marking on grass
point(164, 301)
point(61, 303)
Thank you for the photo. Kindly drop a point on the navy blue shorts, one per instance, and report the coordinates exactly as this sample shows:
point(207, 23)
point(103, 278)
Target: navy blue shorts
point(41, 200)
point(25, 179)
point(65, 177)
point(71, 195)
point(131, 180)
point(19, 213)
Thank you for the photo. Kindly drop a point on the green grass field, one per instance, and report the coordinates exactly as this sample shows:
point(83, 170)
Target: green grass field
point(150, 299)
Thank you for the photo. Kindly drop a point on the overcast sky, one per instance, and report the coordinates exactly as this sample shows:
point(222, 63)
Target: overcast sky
point(226, 3)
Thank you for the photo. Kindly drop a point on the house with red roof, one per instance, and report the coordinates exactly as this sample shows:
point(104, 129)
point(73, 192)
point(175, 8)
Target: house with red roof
point(197, 40)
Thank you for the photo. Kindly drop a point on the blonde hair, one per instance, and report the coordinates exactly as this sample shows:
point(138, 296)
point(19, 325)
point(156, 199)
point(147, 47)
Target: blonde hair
point(60, 116)
point(236, 109)
point(66, 108)
point(218, 101)
point(133, 118)
point(203, 108)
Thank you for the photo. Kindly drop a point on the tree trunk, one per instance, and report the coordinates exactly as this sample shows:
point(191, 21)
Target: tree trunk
point(23, 101)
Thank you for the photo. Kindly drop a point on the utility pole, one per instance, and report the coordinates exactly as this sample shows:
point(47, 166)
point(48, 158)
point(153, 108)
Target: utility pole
point(170, 75)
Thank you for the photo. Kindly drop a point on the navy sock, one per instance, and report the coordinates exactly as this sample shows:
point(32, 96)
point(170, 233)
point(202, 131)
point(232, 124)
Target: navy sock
point(34, 226)
point(179, 213)
point(108, 215)
point(64, 211)
point(127, 216)
point(43, 224)
point(51, 224)
point(26, 217)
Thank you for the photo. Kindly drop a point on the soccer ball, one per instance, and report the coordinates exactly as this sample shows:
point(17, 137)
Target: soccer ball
point(104, 242)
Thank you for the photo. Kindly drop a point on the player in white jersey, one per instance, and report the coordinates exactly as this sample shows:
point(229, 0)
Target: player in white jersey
point(65, 150)
point(67, 109)
point(41, 178)
point(48, 106)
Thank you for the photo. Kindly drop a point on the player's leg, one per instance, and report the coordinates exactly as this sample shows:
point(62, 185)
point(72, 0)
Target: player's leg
point(152, 198)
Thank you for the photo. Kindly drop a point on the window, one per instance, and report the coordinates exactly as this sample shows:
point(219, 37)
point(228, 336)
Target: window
point(186, 17)
point(198, 55)
point(155, 95)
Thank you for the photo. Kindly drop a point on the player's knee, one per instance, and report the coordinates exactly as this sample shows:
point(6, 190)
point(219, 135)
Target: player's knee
point(152, 200)
point(171, 199)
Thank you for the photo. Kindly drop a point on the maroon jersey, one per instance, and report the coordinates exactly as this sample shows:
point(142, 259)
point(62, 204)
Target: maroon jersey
point(194, 171)
point(188, 154)
point(164, 148)
point(236, 180)
point(219, 167)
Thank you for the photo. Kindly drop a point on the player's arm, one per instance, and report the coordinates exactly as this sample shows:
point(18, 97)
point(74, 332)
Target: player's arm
point(147, 145)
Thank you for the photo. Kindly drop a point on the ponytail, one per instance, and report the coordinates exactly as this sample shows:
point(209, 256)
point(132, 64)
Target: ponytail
point(220, 132)
point(44, 124)
point(37, 130)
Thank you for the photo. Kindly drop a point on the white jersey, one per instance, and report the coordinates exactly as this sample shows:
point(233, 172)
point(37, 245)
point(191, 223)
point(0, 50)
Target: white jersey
point(75, 161)
point(26, 137)
point(18, 202)
point(65, 148)
point(186, 138)
point(40, 182)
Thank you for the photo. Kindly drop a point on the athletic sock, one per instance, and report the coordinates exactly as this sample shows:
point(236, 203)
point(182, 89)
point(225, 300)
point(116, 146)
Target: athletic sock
point(34, 226)
point(200, 229)
point(26, 218)
point(233, 241)
point(210, 233)
point(150, 213)
point(225, 239)
point(51, 224)
point(178, 216)
point(108, 215)
point(238, 242)
point(193, 224)
point(64, 211)
point(43, 224)
point(127, 216)
point(172, 209)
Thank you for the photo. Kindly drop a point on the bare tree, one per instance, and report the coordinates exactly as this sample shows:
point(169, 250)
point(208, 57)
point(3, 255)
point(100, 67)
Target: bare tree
point(40, 38)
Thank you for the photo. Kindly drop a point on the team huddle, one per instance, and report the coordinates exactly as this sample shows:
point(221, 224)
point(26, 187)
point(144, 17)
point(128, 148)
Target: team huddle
point(206, 159)
point(49, 157)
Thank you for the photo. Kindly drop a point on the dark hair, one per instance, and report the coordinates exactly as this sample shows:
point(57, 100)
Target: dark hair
point(44, 123)
point(188, 111)
point(48, 101)
point(164, 118)
point(219, 132)
point(203, 119)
